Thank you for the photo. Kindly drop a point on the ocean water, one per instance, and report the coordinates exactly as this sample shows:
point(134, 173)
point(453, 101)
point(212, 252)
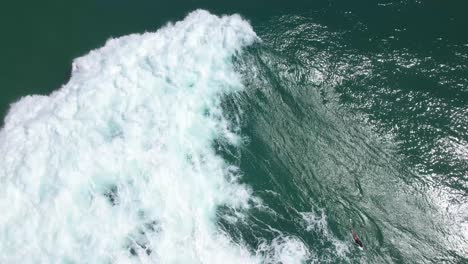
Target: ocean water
point(211, 132)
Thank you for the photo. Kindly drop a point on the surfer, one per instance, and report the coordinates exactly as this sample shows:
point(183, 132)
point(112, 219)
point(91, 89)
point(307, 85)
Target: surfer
point(356, 239)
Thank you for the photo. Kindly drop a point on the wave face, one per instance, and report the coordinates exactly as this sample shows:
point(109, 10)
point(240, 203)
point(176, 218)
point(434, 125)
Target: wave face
point(200, 144)
point(118, 165)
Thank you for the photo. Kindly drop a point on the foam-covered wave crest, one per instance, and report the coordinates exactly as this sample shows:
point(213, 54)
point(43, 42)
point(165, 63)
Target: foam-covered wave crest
point(118, 165)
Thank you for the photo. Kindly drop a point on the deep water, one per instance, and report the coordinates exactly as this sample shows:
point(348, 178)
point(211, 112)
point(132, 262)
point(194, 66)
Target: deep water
point(263, 137)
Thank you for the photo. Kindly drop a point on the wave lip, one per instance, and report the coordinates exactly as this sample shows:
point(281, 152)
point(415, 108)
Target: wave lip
point(117, 165)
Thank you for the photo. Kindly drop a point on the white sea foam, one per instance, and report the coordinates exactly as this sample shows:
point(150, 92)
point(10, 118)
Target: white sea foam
point(285, 249)
point(318, 223)
point(117, 166)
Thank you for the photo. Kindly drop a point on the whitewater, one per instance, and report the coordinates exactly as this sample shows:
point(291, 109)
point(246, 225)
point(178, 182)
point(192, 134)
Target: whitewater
point(119, 165)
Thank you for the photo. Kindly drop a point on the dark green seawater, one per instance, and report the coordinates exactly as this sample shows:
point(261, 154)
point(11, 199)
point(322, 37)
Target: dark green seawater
point(355, 114)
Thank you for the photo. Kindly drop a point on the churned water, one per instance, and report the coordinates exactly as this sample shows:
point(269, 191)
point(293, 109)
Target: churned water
point(261, 136)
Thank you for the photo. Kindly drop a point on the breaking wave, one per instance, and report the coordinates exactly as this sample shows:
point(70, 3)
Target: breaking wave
point(118, 165)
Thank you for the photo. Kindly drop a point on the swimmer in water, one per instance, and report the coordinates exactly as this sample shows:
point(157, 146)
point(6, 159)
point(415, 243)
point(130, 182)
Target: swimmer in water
point(356, 239)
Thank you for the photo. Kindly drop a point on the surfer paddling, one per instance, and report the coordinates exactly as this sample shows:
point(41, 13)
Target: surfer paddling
point(356, 239)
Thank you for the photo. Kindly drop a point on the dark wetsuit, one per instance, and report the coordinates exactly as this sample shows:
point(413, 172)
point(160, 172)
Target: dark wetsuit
point(357, 240)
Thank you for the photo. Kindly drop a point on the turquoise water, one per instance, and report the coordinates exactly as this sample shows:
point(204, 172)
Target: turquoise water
point(247, 147)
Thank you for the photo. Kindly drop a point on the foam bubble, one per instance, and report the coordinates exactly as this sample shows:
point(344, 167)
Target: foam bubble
point(318, 223)
point(117, 166)
point(285, 249)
